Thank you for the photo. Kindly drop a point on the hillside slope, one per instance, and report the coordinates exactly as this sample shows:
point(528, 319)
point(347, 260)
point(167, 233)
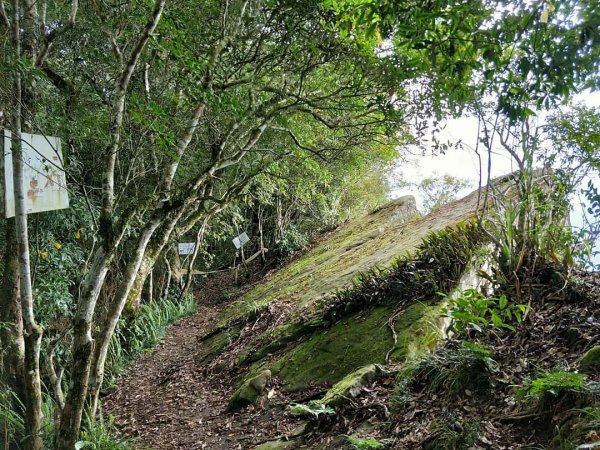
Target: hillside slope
point(353, 333)
point(295, 330)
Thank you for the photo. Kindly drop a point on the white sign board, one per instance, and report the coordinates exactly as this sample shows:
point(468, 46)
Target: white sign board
point(186, 248)
point(240, 240)
point(43, 174)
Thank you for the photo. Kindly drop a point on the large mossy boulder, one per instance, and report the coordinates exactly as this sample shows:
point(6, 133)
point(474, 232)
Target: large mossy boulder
point(351, 385)
point(374, 239)
point(356, 341)
point(365, 295)
point(250, 390)
point(591, 360)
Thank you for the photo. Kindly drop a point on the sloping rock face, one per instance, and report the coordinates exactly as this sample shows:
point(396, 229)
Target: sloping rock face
point(356, 247)
point(368, 294)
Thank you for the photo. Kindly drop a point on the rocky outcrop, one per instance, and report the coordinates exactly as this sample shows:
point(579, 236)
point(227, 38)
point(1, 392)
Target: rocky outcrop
point(366, 295)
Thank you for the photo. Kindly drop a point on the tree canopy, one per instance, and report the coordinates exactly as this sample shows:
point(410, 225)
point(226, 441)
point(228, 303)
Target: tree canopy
point(174, 114)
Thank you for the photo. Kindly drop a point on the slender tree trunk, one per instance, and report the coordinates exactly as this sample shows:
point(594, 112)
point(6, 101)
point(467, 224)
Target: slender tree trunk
point(33, 332)
point(83, 320)
point(11, 333)
point(194, 255)
point(114, 313)
point(70, 420)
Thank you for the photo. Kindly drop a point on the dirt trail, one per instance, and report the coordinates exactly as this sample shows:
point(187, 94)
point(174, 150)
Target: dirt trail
point(166, 401)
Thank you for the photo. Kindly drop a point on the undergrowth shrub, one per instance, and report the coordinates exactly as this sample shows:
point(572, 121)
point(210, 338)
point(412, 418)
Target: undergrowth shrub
point(579, 431)
point(11, 423)
point(291, 241)
point(101, 435)
point(401, 393)
point(473, 310)
point(95, 434)
point(453, 436)
point(453, 371)
point(143, 333)
point(559, 390)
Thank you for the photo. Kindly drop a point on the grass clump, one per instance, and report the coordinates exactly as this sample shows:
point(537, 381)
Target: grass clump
point(11, 422)
point(453, 436)
point(559, 390)
point(579, 431)
point(454, 371)
point(402, 394)
point(100, 435)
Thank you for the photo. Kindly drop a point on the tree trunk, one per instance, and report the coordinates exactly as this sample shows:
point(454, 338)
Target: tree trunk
point(70, 420)
point(33, 332)
point(151, 255)
point(114, 313)
point(194, 255)
point(11, 334)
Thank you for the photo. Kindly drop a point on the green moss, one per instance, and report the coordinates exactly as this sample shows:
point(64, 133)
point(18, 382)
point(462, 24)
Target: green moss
point(591, 360)
point(250, 390)
point(351, 385)
point(353, 342)
point(276, 339)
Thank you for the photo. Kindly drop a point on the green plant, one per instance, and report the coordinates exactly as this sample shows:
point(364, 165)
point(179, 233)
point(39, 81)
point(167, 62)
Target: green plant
point(579, 431)
point(100, 435)
point(312, 409)
point(11, 422)
point(401, 394)
point(360, 443)
point(471, 309)
point(556, 388)
point(291, 241)
point(453, 371)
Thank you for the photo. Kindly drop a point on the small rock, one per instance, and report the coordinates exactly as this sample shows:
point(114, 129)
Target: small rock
point(591, 360)
point(250, 390)
point(351, 385)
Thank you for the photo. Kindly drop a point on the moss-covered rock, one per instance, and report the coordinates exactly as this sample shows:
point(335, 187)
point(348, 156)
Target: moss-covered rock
point(250, 390)
point(376, 239)
point(591, 360)
point(351, 385)
point(356, 341)
point(276, 339)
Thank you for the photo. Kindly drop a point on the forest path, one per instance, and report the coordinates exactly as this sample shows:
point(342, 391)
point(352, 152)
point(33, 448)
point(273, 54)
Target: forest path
point(167, 401)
